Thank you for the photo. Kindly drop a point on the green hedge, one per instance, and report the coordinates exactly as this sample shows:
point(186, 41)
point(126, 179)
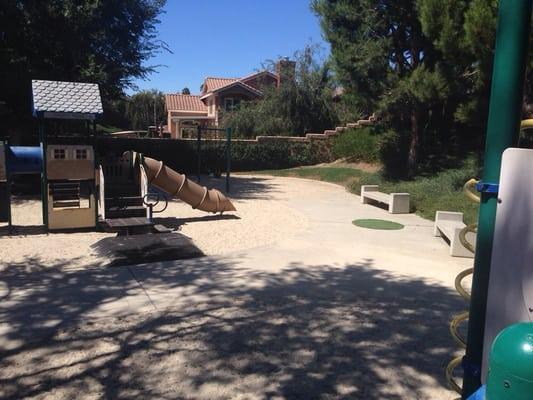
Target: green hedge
point(358, 144)
point(245, 155)
point(249, 156)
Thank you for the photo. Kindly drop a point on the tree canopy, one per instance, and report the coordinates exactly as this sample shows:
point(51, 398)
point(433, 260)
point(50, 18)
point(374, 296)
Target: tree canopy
point(106, 42)
point(423, 65)
point(303, 103)
point(145, 108)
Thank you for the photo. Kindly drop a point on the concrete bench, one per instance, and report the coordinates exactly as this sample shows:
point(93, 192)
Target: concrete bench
point(449, 224)
point(398, 203)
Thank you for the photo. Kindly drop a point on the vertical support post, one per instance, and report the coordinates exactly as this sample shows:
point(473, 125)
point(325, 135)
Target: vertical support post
point(96, 162)
point(8, 188)
point(229, 131)
point(514, 20)
point(198, 151)
point(155, 113)
point(9, 217)
point(44, 181)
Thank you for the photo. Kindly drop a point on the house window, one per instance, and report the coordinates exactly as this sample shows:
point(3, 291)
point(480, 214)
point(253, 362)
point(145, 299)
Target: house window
point(231, 103)
point(228, 103)
point(59, 154)
point(81, 154)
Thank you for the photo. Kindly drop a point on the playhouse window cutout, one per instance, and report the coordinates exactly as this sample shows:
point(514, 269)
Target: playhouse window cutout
point(59, 154)
point(81, 154)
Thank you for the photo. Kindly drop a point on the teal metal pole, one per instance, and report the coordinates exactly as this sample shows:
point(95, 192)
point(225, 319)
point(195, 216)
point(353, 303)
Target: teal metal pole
point(514, 21)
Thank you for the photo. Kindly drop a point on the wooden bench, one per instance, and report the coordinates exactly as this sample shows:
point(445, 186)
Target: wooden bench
point(449, 224)
point(398, 203)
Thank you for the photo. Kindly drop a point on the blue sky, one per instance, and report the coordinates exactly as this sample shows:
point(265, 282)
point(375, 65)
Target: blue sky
point(227, 38)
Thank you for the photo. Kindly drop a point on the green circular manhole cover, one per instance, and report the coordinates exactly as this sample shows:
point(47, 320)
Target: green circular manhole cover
point(377, 224)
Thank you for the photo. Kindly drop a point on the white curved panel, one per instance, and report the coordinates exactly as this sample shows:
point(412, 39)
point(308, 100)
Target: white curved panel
point(510, 296)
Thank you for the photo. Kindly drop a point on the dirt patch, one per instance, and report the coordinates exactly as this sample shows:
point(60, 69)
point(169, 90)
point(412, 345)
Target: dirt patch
point(262, 217)
point(361, 165)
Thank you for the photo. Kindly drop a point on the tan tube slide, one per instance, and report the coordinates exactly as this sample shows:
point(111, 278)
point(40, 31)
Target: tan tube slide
point(176, 184)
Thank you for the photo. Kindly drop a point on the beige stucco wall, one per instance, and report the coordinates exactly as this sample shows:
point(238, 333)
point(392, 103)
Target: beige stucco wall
point(70, 218)
point(69, 167)
point(173, 126)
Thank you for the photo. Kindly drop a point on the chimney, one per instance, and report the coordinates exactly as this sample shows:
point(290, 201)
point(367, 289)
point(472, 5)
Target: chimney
point(285, 70)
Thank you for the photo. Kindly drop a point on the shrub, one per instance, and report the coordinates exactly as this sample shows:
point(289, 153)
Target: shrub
point(442, 190)
point(357, 144)
point(300, 105)
point(182, 156)
point(393, 151)
point(254, 156)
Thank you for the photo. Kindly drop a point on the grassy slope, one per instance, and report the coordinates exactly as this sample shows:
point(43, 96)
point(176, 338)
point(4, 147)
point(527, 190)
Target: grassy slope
point(107, 128)
point(442, 191)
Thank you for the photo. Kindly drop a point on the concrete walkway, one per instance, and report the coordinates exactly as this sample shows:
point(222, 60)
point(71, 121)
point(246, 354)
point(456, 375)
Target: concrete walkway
point(333, 312)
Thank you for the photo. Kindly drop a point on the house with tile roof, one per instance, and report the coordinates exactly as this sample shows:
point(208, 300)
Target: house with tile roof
point(186, 111)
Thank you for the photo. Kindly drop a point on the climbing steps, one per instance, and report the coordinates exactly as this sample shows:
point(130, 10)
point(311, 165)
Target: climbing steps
point(124, 207)
point(65, 194)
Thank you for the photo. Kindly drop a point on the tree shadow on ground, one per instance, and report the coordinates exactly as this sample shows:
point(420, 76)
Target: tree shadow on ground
point(145, 248)
point(177, 223)
point(23, 230)
point(212, 330)
point(243, 187)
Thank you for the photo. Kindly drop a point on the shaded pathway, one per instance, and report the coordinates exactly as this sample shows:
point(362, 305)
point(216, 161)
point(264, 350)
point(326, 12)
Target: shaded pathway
point(333, 313)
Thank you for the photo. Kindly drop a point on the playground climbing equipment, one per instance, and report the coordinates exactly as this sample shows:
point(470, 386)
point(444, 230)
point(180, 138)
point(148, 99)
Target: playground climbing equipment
point(80, 188)
point(506, 204)
point(458, 319)
point(151, 200)
point(178, 185)
point(510, 291)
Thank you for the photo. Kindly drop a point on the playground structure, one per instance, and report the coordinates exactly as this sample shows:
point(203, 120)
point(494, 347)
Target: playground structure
point(79, 189)
point(502, 291)
point(176, 184)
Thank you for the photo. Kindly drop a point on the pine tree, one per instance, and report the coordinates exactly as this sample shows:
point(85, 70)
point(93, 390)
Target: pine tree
point(426, 65)
point(106, 42)
point(381, 57)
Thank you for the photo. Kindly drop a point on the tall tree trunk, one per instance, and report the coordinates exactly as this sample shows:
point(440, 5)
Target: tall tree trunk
point(412, 160)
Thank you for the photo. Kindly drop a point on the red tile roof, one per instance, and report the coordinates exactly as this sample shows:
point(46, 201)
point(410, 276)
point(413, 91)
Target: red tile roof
point(256, 74)
point(184, 102)
point(240, 83)
point(211, 84)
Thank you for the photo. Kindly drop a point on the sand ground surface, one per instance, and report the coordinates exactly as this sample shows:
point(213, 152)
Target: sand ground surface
point(292, 301)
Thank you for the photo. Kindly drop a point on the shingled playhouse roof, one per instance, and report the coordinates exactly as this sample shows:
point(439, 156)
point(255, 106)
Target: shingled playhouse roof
point(71, 100)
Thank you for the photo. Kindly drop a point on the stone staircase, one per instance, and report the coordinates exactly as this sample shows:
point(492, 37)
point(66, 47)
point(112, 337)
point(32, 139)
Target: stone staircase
point(320, 136)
